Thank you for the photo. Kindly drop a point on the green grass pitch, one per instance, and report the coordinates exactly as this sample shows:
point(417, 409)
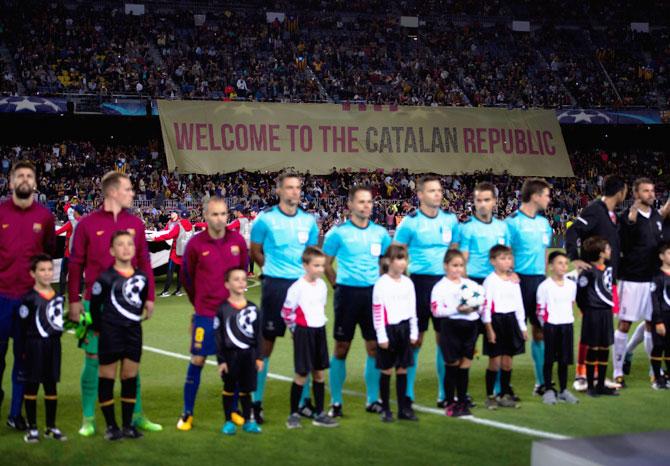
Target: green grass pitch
point(361, 437)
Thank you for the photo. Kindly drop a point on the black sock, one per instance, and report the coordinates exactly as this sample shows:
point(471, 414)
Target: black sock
point(590, 371)
point(296, 392)
point(128, 396)
point(562, 376)
point(547, 371)
point(318, 388)
point(591, 362)
point(385, 390)
point(227, 405)
point(505, 379)
point(462, 384)
point(106, 400)
point(490, 381)
point(603, 361)
point(450, 383)
point(30, 402)
point(50, 403)
point(655, 365)
point(401, 390)
point(245, 401)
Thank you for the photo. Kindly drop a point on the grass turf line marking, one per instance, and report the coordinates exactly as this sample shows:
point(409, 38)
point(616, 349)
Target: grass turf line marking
point(417, 407)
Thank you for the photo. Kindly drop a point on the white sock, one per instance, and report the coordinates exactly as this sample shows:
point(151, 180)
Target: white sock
point(636, 338)
point(619, 352)
point(648, 345)
point(648, 342)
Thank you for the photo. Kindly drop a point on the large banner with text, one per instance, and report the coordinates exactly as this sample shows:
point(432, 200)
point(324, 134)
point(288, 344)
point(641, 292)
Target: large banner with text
point(215, 137)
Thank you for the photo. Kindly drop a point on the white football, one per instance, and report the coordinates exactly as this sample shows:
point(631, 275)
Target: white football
point(472, 295)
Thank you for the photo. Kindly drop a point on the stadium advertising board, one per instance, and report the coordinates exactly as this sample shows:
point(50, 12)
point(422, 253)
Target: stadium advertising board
point(215, 137)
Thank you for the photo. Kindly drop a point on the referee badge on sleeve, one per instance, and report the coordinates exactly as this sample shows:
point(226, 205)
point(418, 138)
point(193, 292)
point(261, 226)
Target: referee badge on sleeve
point(97, 289)
point(583, 281)
point(23, 311)
point(302, 237)
point(376, 249)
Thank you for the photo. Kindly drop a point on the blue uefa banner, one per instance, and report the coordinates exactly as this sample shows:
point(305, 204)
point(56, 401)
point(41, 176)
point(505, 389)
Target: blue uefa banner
point(32, 104)
point(593, 116)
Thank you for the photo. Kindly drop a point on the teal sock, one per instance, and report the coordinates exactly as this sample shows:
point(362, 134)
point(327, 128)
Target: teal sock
point(305, 390)
point(89, 386)
point(496, 387)
point(411, 375)
point(537, 351)
point(338, 374)
point(372, 376)
point(260, 381)
point(137, 411)
point(439, 365)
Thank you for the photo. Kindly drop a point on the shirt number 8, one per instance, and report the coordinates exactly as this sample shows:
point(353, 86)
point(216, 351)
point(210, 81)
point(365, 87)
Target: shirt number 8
point(199, 334)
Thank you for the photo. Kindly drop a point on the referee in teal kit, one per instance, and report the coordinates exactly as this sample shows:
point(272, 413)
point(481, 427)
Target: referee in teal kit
point(278, 238)
point(428, 233)
point(357, 245)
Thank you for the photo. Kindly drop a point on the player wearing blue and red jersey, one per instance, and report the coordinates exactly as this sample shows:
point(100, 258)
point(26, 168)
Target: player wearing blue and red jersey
point(208, 256)
point(26, 230)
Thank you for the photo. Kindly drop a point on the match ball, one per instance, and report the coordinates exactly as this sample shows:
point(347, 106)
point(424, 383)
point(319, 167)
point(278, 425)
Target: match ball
point(472, 295)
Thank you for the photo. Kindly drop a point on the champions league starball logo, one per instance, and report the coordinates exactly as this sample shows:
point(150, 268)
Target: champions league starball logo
point(50, 320)
point(132, 290)
point(245, 321)
point(607, 279)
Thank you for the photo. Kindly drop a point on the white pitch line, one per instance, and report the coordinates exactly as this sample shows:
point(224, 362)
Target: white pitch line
point(417, 407)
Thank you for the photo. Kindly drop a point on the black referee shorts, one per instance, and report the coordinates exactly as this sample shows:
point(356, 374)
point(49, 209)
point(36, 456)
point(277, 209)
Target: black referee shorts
point(310, 350)
point(529, 285)
point(42, 360)
point(423, 287)
point(119, 342)
point(273, 295)
point(353, 306)
point(558, 343)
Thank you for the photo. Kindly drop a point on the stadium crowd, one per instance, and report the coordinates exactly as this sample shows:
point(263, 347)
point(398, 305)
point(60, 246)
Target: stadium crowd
point(73, 169)
point(320, 52)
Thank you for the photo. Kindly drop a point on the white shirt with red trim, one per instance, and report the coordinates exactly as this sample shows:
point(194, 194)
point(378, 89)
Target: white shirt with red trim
point(503, 297)
point(554, 301)
point(393, 301)
point(305, 304)
point(446, 298)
